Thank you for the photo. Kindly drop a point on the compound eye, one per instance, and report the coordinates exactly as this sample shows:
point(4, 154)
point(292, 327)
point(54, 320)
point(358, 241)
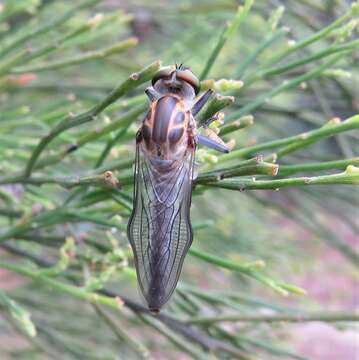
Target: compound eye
point(188, 76)
point(165, 73)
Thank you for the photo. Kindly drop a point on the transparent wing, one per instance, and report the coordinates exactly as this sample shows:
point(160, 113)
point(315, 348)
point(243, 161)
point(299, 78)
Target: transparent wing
point(159, 229)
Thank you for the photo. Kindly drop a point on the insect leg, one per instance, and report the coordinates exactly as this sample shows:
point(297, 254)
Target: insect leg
point(152, 94)
point(201, 102)
point(212, 144)
point(209, 121)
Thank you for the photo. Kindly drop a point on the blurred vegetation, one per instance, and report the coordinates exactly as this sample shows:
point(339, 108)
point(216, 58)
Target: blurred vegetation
point(71, 100)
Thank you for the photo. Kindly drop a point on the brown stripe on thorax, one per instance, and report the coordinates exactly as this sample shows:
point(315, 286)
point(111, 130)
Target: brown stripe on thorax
point(162, 118)
point(178, 125)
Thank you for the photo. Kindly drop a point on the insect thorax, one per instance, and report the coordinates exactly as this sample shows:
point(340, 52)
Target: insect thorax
point(168, 128)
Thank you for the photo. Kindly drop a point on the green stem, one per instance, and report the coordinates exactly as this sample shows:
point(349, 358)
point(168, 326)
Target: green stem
point(318, 35)
point(106, 180)
point(269, 348)
point(119, 164)
point(241, 123)
point(122, 122)
point(8, 64)
point(226, 34)
point(267, 42)
point(57, 216)
point(121, 334)
point(286, 85)
point(72, 290)
point(113, 141)
point(194, 352)
point(300, 140)
point(248, 269)
point(93, 55)
point(324, 317)
point(72, 34)
point(217, 103)
point(322, 54)
point(11, 213)
point(325, 165)
point(68, 122)
point(258, 168)
point(348, 177)
point(42, 29)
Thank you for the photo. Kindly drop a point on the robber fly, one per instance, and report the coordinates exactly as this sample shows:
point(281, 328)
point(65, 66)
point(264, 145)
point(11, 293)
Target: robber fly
point(159, 228)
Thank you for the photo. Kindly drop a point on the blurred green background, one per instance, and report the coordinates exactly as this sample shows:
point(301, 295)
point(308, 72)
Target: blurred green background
point(289, 251)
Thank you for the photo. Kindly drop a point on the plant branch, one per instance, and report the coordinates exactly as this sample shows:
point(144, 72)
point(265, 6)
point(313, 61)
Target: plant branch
point(318, 35)
point(241, 123)
point(295, 142)
point(217, 103)
point(349, 177)
point(111, 299)
point(285, 170)
point(135, 345)
point(71, 121)
point(323, 316)
point(72, 290)
point(322, 54)
point(226, 34)
point(250, 270)
point(257, 168)
point(267, 42)
point(79, 59)
point(107, 180)
point(42, 29)
point(285, 85)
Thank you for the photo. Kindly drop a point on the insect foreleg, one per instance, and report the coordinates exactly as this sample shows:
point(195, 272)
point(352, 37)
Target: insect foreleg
point(152, 94)
point(210, 121)
point(201, 102)
point(212, 144)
